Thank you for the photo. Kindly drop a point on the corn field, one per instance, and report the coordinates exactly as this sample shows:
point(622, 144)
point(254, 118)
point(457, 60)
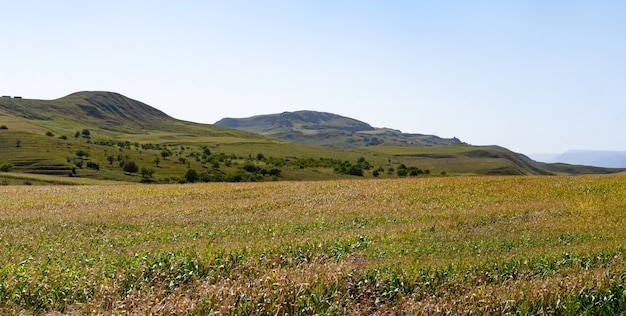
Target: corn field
point(433, 245)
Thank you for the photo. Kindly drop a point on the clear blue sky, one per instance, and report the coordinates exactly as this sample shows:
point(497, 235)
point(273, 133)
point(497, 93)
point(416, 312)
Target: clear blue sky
point(530, 75)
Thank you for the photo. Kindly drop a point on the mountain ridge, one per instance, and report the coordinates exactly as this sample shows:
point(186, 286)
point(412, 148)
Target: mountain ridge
point(598, 158)
point(328, 129)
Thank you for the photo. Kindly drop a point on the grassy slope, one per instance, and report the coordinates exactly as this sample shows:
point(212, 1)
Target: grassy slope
point(112, 117)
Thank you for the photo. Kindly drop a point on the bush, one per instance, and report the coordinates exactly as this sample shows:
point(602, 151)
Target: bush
point(250, 168)
point(191, 175)
point(3, 127)
point(147, 172)
point(355, 171)
point(82, 153)
point(6, 167)
point(93, 165)
point(131, 167)
point(49, 134)
point(274, 172)
point(402, 170)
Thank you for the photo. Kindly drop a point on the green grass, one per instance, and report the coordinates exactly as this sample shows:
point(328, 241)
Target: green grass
point(459, 245)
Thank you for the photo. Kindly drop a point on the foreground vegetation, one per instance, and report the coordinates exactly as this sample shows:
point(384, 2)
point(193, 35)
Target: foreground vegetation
point(436, 245)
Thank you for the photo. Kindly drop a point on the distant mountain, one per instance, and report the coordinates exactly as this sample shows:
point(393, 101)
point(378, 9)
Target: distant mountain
point(598, 158)
point(331, 130)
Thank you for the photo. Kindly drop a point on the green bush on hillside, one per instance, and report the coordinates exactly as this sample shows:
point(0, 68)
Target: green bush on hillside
point(6, 166)
point(131, 167)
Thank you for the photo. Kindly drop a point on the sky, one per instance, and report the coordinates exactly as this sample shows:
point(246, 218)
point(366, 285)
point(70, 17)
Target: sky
point(533, 76)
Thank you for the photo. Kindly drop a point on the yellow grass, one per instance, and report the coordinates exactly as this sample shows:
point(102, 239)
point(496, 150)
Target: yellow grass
point(482, 245)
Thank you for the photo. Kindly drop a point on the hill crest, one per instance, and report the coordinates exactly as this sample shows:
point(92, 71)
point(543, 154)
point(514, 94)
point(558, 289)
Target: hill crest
point(328, 129)
point(109, 112)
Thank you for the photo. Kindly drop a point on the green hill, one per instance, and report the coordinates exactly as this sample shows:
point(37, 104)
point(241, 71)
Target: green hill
point(96, 135)
point(327, 129)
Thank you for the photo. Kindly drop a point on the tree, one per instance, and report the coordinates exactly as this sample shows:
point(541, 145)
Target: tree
point(156, 161)
point(3, 127)
point(110, 159)
point(147, 172)
point(165, 153)
point(131, 167)
point(191, 175)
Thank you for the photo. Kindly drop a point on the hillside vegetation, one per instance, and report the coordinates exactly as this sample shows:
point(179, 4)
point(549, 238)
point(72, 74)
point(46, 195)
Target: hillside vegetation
point(106, 136)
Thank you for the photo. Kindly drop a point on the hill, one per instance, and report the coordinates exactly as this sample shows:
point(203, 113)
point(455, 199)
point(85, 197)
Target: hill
point(327, 129)
point(107, 136)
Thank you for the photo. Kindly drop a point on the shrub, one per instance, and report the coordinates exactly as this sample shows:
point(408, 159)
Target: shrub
point(402, 170)
point(250, 168)
point(3, 127)
point(191, 175)
point(82, 153)
point(355, 170)
point(6, 167)
point(49, 134)
point(274, 172)
point(131, 167)
point(93, 165)
point(206, 151)
point(146, 172)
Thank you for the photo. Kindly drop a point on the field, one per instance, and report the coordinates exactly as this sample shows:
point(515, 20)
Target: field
point(431, 245)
